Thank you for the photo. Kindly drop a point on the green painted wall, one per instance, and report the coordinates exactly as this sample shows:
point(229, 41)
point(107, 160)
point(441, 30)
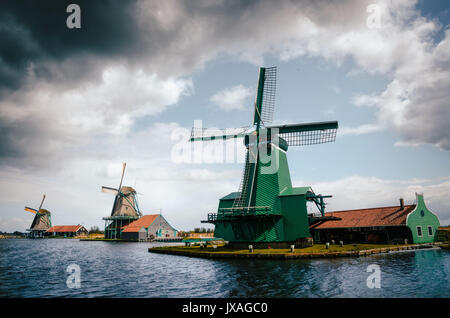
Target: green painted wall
point(272, 188)
point(295, 217)
point(422, 217)
point(272, 179)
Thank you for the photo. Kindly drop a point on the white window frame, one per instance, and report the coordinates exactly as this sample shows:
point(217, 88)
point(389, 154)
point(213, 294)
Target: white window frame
point(430, 227)
point(421, 232)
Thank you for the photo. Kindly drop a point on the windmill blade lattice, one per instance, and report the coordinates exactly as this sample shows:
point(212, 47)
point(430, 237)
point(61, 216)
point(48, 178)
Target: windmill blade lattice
point(308, 134)
point(200, 133)
point(265, 96)
point(306, 138)
point(270, 87)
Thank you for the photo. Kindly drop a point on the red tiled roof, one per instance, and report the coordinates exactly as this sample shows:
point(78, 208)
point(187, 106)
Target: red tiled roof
point(144, 221)
point(64, 228)
point(384, 216)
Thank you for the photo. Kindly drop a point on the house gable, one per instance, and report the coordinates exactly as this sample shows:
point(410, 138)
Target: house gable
point(420, 219)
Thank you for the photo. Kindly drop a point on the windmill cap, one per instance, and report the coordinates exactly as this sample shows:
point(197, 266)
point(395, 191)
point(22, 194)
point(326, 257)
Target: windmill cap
point(281, 142)
point(127, 190)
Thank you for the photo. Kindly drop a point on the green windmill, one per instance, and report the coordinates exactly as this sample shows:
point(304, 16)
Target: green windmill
point(267, 208)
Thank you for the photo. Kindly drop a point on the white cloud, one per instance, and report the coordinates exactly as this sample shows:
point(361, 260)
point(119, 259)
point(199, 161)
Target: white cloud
point(362, 129)
point(50, 121)
point(232, 98)
point(184, 192)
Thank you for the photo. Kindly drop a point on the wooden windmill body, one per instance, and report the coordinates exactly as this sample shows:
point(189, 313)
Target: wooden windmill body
point(41, 223)
point(124, 211)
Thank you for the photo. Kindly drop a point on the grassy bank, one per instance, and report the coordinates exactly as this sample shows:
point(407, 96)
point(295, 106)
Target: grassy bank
point(313, 249)
point(100, 239)
point(223, 251)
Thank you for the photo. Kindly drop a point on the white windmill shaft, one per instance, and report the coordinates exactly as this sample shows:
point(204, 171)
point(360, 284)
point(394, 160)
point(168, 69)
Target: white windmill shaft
point(42, 202)
point(123, 172)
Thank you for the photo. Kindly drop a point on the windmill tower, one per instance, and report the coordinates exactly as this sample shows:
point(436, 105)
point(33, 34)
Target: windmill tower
point(267, 208)
point(125, 209)
point(42, 221)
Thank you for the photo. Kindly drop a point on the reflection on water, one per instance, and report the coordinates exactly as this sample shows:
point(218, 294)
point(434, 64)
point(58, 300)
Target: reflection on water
point(37, 268)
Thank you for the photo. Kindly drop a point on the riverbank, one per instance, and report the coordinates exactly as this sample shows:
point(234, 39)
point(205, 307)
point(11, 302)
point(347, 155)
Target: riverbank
point(122, 240)
point(104, 239)
point(7, 237)
point(316, 251)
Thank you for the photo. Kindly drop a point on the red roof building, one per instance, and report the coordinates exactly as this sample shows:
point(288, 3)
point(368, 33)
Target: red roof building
point(67, 230)
point(145, 221)
point(373, 217)
point(413, 223)
point(148, 228)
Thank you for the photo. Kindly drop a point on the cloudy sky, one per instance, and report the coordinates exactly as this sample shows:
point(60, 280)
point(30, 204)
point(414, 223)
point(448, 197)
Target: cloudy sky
point(128, 85)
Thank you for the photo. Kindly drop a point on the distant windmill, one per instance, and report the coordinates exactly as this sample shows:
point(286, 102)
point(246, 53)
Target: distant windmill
point(41, 222)
point(266, 207)
point(125, 208)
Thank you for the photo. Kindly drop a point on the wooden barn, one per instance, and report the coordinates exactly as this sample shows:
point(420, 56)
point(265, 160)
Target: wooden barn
point(395, 224)
point(67, 230)
point(443, 234)
point(148, 228)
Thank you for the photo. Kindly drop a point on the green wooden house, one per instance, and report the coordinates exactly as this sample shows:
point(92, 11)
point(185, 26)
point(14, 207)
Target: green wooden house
point(413, 223)
point(422, 222)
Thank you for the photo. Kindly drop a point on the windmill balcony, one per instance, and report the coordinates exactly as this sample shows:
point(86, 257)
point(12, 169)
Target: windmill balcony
point(240, 212)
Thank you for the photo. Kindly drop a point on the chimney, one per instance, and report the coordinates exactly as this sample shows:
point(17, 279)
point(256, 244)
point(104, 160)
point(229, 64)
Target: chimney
point(402, 204)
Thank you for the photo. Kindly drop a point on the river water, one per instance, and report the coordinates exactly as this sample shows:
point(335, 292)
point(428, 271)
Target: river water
point(38, 268)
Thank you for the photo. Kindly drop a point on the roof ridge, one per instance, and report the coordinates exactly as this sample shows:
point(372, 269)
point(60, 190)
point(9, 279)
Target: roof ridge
point(382, 207)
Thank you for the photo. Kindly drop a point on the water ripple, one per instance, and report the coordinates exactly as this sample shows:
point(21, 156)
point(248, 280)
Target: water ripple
point(37, 268)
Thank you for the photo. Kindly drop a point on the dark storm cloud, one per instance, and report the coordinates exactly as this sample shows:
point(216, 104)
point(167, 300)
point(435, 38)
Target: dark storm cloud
point(30, 143)
point(41, 57)
point(45, 67)
point(34, 34)
point(168, 37)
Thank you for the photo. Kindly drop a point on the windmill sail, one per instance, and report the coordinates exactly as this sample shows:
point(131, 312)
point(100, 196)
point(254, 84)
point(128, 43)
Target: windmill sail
point(28, 209)
point(123, 172)
point(265, 95)
point(42, 202)
point(307, 134)
point(199, 133)
point(109, 190)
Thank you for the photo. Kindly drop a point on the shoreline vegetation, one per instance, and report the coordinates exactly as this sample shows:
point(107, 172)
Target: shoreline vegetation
point(315, 251)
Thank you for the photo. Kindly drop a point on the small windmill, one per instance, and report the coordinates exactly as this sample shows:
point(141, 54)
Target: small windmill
point(266, 207)
point(125, 208)
point(41, 222)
